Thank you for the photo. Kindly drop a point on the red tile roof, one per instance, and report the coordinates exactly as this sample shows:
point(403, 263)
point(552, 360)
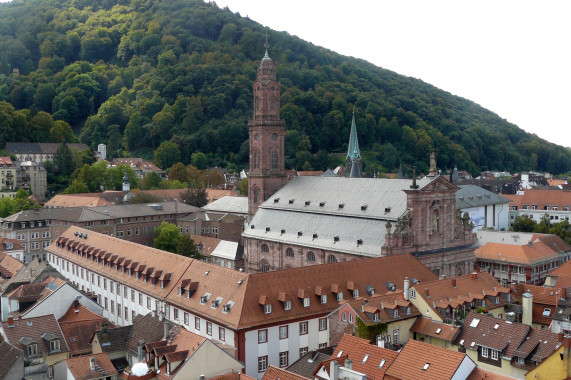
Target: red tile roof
point(274, 373)
point(383, 305)
point(9, 266)
point(367, 358)
point(482, 374)
point(435, 329)
point(81, 370)
point(541, 198)
point(542, 249)
point(79, 327)
point(439, 362)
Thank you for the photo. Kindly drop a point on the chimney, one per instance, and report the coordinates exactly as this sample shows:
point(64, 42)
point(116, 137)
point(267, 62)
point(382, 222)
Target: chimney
point(76, 305)
point(406, 287)
point(161, 316)
point(442, 277)
point(92, 363)
point(427, 292)
point(348, 363)
point(10, 321)
point(527, 304)
point(333, 370)
point(154, 313)
point(165, 329)
point(474, 275)
point(453, 282)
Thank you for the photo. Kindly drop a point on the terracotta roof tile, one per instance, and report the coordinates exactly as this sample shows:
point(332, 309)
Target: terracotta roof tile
point(80, 367)
point(541, 198)
point(274, 373)
point(439, 362)
point(367, 358)
point(535, 252)
point(79, 327)
point(33, 329)
point(9, 354)
point(435, 329)
point(113, 338)
point(506, 338)
point(206, 245)
point(232, 376)
point(482, 374)
point(384, 306)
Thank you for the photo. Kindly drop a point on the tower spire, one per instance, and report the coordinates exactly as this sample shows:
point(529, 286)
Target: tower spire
point(267, 46)
point(353, 159)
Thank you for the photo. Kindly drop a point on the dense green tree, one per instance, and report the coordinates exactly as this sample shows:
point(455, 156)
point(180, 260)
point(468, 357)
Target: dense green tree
point(167, 237)
point(199, 160)
point(524, 224)
point(150, 181)
point(196, 196)
point(76, 187)
point(167, 154)
point(187, 248)
point(178, 172)
point(143, 197)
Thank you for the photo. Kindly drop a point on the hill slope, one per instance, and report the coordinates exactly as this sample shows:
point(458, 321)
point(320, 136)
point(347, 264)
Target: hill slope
point(135, 73)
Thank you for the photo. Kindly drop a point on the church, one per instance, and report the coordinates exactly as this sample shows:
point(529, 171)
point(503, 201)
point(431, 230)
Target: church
point(317, 220)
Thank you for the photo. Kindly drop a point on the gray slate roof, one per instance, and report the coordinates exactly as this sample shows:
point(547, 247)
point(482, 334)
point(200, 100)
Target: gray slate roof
point(9, 354)
point(322, 220)
point(237, 205)
point(474, 196)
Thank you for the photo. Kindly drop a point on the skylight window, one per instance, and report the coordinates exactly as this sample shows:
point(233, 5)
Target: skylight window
point(382, 363)
point(426, 366)
point(438, 330)
point(474, 322)
point(340, 353)
point(472, 344)
point(365, 358)
point(496, 326)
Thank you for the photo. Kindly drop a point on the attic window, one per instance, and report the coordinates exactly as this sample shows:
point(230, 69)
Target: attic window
point(438, 330)
point(472, 344)
point(382, 363)
point(426, 366)
point(474, 322)
point(268, 309)
point(267, 229)
point(205, 298)
point(315, 236)
point(252, 227)
point(276, 200)
point(546, 312)
point(282, 231)
point(307, 203)
point(387, 209)
point(341, 205)
point(340, 353)
point(359, 241)
point(299, 233)
point(321, 204)
point(291, 201)
point(335, 238)
point(363, 207)
point(496, 326)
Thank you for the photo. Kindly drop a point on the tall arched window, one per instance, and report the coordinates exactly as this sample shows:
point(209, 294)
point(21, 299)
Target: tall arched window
point(258, 103)
point(332, 259)
point(289, 252)
point(264, 266)
point(256, 194)
point(256, 158)
point(310, 256)
point(435, 221)
point(273, 103)
point(274, 159)
point(265, 248)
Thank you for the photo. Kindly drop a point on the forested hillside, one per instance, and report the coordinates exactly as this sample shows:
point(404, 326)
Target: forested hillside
point(134, 74)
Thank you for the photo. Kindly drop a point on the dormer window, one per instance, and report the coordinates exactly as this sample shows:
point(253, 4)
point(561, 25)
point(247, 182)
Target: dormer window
point(32, 349)
point(287, 305)
point(162, 284)
point(323, 299)
point(339, 296)
point(180, 291)
point(355, 293)
point(54, 345)
point(376, 317)
point(306, 302)
point(497, 299)
point(268, 309)
point(396, 312)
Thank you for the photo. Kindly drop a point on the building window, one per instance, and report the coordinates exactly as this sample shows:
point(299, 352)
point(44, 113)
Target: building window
point(186, 319)
point(274, 159)
point(350, 318)
point(355, 293)
point(306, 302)
point(322, 324)
point(396, 337)
point(302, 328)
point(209, 328)
point(267, 309)
point(339, 296)
point(287, 305)
point(284, 359)
point(344, 316)
point(106, 308)
point(484, 352)
point(126, 313)
point(32, 349)
point(256, 159)
point(265, 248)
point(283, 332)
point(256, 194)
point(412, 293)
point(495, 354)
point(175, 312)
point(303, 351)
point(196, 323)
point(322, 345)
point(149, 303)
point(262, 363)
point(323, 299)
point(54, 345)
point(262, 336)
point(265, 266)
point(310, 256)
point(332, 259)
point(289, 252)
point(222, 334)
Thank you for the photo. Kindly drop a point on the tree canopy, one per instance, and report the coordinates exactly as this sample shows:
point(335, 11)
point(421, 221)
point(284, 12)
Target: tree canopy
point(172, 81)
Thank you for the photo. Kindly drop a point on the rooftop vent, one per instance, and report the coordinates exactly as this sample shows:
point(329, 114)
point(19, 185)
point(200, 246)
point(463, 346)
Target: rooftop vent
point(359, 241)
point(335, 238)
point(299, 233)
point(307, 203)
point(315, 236)
point(387, 210)
point(391, 286)
point(291, 201)
point(321, 204)
point(282, 231)
point(363, 207)
point(252, 227)
point(267, 229)
point(341, 205)
point(276, 200)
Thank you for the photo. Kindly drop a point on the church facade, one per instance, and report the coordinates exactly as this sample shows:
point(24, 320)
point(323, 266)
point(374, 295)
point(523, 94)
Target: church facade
point(316, 220)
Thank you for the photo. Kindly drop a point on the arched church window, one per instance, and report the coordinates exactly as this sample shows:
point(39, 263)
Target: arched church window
point(310, 256)
point(274, 159)
point(289, 252)
point(459, 269)
point(332, 259)
point(265, 248)
point(258, 103)
point(435, 221)
point(256, 158)
point(273, 103)
point(264, 266)
point(256, 194)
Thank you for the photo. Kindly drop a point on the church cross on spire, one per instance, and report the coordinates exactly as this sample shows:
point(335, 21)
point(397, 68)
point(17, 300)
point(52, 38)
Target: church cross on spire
point(266, 45)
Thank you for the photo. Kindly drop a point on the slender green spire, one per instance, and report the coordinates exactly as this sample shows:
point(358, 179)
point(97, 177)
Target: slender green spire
point(266, 45)
point(353, 152)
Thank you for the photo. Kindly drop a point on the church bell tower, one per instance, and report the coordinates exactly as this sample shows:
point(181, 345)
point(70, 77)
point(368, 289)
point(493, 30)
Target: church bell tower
point(267, 134)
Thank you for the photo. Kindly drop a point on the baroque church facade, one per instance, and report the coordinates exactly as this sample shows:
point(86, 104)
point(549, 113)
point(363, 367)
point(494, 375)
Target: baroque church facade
point(316, 220)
